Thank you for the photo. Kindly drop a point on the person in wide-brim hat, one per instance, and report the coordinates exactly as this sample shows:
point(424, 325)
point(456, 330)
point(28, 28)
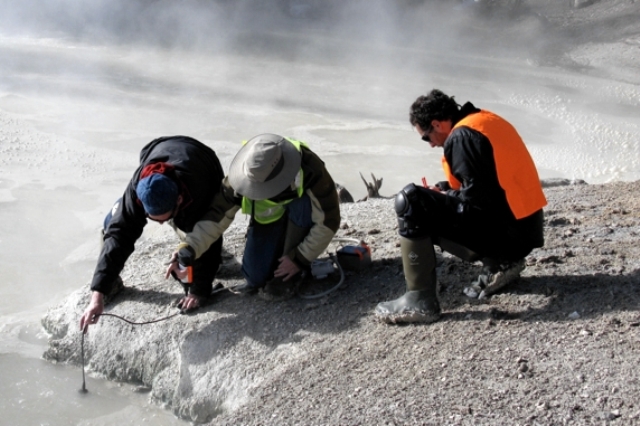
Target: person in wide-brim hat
point(294, 208)
point(264, 167)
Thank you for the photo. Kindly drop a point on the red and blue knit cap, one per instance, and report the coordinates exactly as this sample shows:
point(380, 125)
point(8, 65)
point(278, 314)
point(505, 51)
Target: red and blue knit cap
point(158, 194)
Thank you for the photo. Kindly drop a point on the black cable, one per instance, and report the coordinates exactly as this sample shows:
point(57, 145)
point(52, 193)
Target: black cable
point(139, 323)
point(84, 387)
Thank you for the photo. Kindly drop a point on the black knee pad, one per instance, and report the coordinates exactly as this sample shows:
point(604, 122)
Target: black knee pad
point(405, 198)
point(407, 209)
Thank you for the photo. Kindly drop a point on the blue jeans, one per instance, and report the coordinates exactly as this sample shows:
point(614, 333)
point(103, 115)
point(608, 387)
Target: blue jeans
point(265, 243)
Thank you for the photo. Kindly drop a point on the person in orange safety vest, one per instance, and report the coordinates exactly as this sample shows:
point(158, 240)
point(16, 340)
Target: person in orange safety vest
point(489, 208)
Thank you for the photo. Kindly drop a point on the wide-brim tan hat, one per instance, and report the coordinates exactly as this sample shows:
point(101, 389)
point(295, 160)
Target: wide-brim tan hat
point(264, 167)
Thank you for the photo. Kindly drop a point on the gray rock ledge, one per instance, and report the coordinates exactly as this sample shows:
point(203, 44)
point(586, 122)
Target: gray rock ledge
point(242, 360)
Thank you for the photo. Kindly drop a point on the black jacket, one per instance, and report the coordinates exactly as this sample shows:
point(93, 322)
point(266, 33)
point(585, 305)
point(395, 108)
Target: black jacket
point(198, 174)
point(470, 156)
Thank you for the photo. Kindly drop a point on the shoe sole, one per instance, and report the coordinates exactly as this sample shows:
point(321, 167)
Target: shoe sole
point(408, 317)
point(243, 292)
point(275, 297)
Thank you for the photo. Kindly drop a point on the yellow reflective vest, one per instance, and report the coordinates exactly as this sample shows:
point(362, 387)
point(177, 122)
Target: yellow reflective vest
point(267, 211)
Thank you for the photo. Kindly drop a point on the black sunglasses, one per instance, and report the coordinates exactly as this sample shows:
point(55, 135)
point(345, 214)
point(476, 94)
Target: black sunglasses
point(425, 137)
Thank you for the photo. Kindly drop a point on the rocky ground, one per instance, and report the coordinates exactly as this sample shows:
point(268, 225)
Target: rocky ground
point(560, 346)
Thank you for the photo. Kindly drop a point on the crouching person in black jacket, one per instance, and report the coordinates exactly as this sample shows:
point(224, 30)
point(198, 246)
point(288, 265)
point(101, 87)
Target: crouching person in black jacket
point(175, 183)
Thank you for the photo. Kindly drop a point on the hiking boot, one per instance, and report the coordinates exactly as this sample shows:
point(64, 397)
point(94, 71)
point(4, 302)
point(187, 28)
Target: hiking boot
point(413, 306)
point(118, 286)
point(489, 282)
point(277, 290)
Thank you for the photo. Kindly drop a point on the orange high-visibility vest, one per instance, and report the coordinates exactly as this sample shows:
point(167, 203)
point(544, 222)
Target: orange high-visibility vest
point(516, 171)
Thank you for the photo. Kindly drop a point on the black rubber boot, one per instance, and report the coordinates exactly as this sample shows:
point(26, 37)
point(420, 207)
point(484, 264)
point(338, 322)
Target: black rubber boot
point(420, 302)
